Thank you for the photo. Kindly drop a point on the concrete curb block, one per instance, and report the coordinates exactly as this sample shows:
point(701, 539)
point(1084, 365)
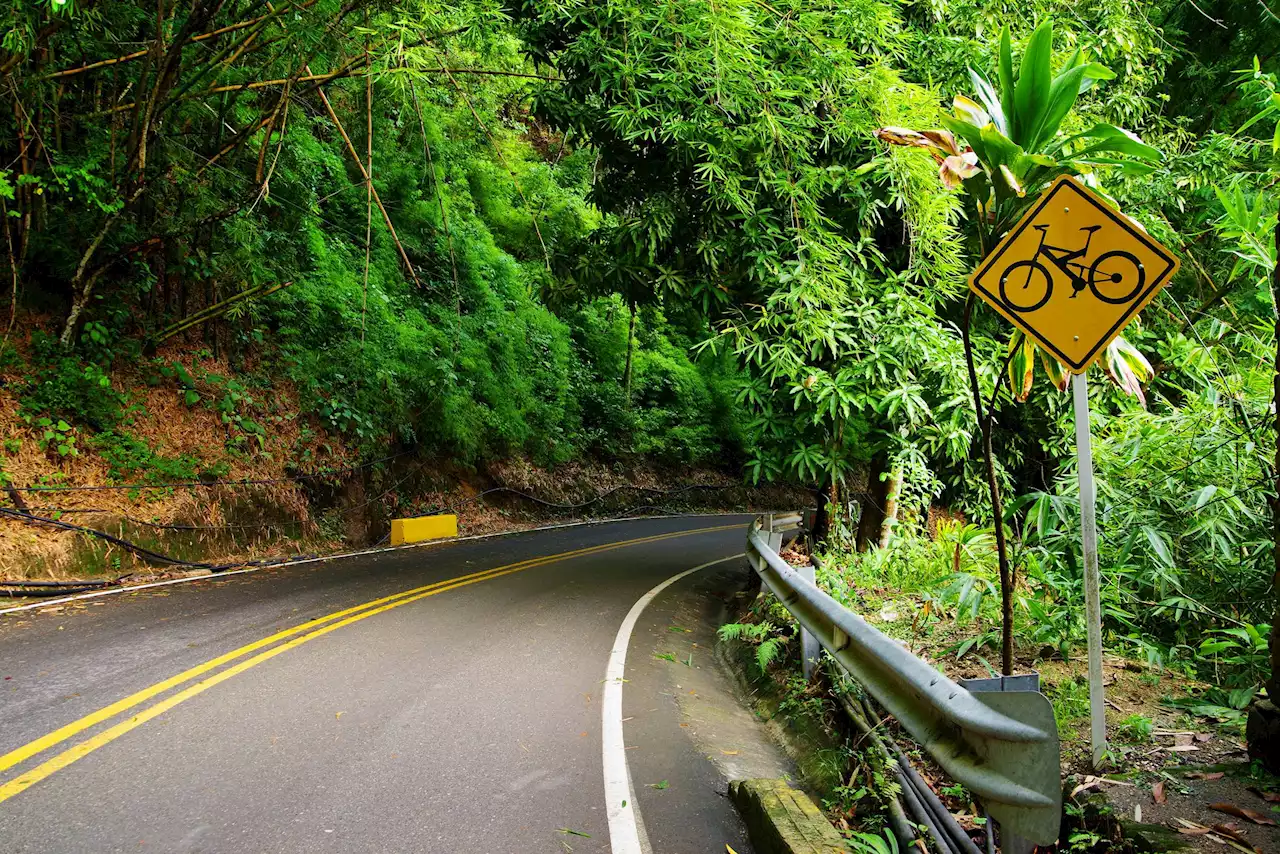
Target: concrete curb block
point(783, 820)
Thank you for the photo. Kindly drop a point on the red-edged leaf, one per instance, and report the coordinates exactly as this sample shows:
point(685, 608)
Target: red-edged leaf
point(1269, 797)
point(1201, 775)
point(1022, 354)
point(1243, 812)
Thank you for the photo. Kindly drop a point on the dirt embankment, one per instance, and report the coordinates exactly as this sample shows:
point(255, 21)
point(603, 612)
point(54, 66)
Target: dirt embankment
point(260, 481)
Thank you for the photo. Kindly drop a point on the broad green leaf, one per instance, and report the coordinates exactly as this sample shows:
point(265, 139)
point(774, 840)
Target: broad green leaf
point(1031, 94)
point(1062, 97)
point(1015, 186)
point(1005, 71)
point(1110, 138)
point(1128, 167)
point(1259, 116)
point(1093, 72)
point(1203, 495)
point(970, 111)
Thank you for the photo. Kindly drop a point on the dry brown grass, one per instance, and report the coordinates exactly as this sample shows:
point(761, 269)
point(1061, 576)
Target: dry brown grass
point(159, 417)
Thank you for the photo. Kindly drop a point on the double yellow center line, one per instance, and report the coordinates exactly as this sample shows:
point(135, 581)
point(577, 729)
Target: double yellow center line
point(292, 638)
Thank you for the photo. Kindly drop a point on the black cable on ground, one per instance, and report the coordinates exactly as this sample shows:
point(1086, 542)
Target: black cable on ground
point(44, 588)
point(102, 511)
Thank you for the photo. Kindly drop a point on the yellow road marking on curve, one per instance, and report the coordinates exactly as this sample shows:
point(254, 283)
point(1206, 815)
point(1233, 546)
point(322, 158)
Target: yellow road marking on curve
point(352, 615)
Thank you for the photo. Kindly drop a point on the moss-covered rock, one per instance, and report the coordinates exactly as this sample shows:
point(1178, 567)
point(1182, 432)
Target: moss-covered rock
point(783, 820)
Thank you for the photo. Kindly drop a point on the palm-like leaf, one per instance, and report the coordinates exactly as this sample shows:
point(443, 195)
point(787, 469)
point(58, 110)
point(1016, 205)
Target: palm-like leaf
point(1012, 132)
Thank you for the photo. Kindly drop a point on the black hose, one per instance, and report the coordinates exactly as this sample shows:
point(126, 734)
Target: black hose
point(930, 799)
point(42, 592)
point(50, 588)
point(908, 792)
point(921, 812)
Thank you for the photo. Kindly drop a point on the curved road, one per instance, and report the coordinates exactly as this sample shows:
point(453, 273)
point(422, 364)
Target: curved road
point(445, 698)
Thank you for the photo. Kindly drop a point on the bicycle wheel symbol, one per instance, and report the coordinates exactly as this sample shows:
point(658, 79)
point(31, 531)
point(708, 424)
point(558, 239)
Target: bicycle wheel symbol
point(1026, 286)
point(1116, 277)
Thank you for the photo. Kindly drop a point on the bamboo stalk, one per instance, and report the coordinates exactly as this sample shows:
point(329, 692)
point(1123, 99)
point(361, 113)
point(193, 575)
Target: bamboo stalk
point(13, 269)
point(502, 159)
point(336, 75)
point(216, 310)
point(333, 116)
point(250, 130)
point(368, 183)
point(129, 57)
point(444, 213)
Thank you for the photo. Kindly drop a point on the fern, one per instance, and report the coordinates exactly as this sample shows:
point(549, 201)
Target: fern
point(765, 635)
point(768, 651)
point(754, 632)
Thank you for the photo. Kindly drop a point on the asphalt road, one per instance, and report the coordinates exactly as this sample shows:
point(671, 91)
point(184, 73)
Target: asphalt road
point(462, 717)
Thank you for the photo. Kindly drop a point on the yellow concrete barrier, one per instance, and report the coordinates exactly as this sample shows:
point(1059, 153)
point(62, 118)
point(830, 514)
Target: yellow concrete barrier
point(423, 528)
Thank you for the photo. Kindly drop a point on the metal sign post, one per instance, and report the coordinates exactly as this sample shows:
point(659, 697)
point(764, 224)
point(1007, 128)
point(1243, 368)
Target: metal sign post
point(1092, 581)
point(1071, 274)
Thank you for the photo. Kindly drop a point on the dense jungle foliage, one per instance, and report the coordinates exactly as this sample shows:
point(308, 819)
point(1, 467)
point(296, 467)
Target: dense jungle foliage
point(447, 224)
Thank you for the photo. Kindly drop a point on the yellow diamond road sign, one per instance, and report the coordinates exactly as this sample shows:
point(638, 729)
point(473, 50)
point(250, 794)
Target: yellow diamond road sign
point(1073, 272)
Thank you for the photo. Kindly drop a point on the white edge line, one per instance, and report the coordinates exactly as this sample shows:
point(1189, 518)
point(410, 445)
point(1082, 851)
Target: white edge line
point(214, 576)
point(620, 805)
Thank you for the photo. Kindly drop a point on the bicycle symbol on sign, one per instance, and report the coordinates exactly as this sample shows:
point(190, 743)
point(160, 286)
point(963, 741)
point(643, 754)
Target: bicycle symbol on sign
point(1114, 277)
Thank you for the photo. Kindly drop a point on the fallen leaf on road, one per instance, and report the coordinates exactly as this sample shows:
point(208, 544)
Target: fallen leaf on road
point(661, 784)
point(730, 752)
point(730, 850)
point(1202, 775)
point(337, 716)
point(569, 832)
point(1269, 797)
point(678, 629)
point(1157, 792)
point(1243, 812)
point(1233, 834)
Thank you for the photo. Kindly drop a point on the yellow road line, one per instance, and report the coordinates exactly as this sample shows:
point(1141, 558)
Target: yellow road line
point(352, 615)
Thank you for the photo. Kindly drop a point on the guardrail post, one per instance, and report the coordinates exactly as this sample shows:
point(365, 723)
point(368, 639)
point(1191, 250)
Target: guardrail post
point(810, 649)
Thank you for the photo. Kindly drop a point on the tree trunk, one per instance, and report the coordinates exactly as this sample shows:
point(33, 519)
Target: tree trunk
point(631, 344)
point(893, 490)
point(1007, 578)
point(874, 502)
point(1263, 730)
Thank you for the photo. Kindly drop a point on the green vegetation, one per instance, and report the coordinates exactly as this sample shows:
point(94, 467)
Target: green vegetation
point(142, 197)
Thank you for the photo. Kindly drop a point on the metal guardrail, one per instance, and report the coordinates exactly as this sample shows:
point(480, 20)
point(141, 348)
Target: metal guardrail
point(1002, 746)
